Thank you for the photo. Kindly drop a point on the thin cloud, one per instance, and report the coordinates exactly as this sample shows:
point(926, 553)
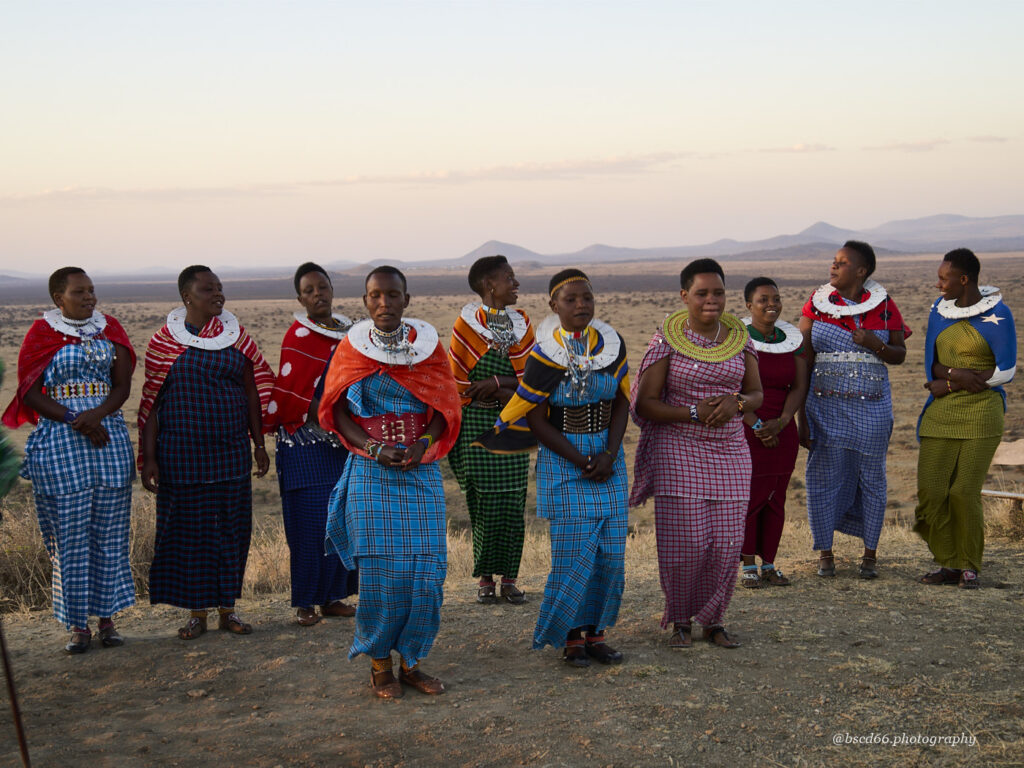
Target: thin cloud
point(800, 148)
point(910, 146)
point(564, 170)
point(989, 139)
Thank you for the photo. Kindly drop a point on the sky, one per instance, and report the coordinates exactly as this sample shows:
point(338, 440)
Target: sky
point(150, 134)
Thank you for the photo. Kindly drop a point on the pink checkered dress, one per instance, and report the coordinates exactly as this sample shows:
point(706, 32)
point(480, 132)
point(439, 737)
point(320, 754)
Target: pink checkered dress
point(699, 477)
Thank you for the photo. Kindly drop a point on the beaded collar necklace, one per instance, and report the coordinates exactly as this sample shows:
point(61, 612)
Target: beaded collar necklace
point(394, 347)
point(79, 329)
point(490, 332)
point(580, 359)
point(337, 331)
point(676, 325)
point(500, 325)
point(990, 296)
point(229, 333)
point(791, 339)
point(821, 300)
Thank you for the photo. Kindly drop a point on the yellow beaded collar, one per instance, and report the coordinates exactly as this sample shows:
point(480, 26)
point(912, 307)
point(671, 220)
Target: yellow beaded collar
point(674, 330)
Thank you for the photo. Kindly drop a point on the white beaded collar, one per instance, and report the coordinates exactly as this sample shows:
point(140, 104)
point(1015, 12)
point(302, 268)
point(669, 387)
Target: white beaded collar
point(230, 331)
point(794, 339)
point(338, 333)
point(468, 314)
point(422, 348)
point(990, 296)
point(55, 319)
point(547, 338)
point(876, 295)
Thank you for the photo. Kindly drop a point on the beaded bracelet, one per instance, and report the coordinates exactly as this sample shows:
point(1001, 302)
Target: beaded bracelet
point(373, 447)
point(427, 439)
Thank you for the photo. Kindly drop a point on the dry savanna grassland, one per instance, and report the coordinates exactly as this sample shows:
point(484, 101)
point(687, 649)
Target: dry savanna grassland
point(830, 671)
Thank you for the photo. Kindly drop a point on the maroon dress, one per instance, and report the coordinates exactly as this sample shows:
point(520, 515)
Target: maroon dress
point(772, 467)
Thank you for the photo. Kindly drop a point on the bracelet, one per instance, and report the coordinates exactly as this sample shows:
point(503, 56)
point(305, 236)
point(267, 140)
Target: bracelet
point(259, 446)
point(949, 385)
point(608, 452)
point(693, 413)
point(70, 416)
point(949, 374)
point(373, 447)
point(757, 424)
point(739, 401)
point(428, 438)
point(497, 383)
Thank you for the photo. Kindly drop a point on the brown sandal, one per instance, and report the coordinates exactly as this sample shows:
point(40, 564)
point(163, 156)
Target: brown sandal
point(941, 576)
point(230, 622)
point(681, 637)
point(193, 628)
point(307, 617)
point(718, 636)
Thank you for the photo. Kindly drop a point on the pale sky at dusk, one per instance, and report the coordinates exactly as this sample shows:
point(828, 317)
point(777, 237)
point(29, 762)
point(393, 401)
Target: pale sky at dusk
point(139, 133)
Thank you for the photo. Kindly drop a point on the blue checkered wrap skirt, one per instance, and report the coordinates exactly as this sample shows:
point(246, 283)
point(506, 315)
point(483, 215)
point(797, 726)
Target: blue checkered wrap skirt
point(849, 412)
point(202, 543)
point(585, 585)
point(399, 606)
point(390, 524)
point(307, 473)
point(86, 537)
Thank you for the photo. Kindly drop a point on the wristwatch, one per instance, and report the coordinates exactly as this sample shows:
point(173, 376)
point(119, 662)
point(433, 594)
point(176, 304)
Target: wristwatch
point(70, 416)
point(693, 413)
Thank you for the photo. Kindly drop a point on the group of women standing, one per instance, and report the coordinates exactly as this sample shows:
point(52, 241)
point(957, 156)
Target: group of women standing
point(363, 412)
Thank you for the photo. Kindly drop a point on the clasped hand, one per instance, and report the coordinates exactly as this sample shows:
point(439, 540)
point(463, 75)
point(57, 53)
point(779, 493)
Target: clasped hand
point(406, 458)
point(718, 410)
point(90, 424)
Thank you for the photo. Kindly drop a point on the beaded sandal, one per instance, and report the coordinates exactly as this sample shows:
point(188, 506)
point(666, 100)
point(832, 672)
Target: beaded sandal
point(230, 622)
point(510, 593)
point(750, 579)
point(193, 628)
point(826, 565)
point(775, 578)
point(485, 594)
point(969, 579)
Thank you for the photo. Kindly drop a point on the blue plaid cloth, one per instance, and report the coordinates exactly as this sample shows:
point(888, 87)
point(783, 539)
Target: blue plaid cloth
point(86, 537)
point(585, 585)
point(561, 491)
point(58, 459)
point(849, 412)
point(307, 473)
point(378, 510)
point(204, 418)
point(202, 543)
point(399, 606)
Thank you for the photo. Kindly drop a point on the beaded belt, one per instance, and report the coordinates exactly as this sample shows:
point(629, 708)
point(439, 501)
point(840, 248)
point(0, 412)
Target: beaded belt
point(84, 389)
point(847, 357)
point(394, 428)
point(584, 419)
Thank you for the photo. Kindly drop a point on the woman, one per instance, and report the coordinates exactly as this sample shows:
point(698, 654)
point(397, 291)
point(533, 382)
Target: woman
point(390, 397)
point(206, 387)
point(74, 370)
point(309, 460)
point(970, 352)
point(770, 430)
point(573, 398)
point(488, 351)
point(851, 330)
point(697, 380)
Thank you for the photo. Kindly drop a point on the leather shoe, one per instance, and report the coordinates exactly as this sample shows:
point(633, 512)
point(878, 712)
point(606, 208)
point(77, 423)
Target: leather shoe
point(338, 608)
point(384, 685)
point(421, 682)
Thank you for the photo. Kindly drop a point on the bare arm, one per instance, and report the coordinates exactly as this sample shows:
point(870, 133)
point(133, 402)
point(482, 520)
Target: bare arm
point(150, 470)
point(255, 413)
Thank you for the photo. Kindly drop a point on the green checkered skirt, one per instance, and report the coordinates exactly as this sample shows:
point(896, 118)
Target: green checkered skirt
point(494, 484)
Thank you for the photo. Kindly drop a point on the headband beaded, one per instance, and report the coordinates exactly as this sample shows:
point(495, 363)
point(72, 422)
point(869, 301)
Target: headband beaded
point(572, 279)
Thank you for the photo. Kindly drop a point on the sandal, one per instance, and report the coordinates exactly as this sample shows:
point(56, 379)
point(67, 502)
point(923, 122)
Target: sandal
point(193, 628)
point(421, 682)
point(384, 684)
point(718, 636)
point(867, 568)
point(575, 654)
point(485, 594)
point(307, 617)
point(80, 639)
point(826, 565)
point(941, 576)
point(750, 579)
point(681, 637)
point(511, 593)
point(969, 579)
point(774, 577)
point(109, 638)
point(230, 622)
point(597, 649)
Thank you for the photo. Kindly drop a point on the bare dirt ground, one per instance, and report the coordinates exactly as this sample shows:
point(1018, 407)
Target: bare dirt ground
point(831, 671)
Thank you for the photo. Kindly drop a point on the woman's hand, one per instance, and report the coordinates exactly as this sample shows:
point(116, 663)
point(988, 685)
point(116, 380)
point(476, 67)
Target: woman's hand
point(768, 434)
point(90, 424)
point(150, 475)
point(390, 456)
point(413, 455)
point(804, 433)
point(938, 387)
point(965, 378)
point(868, 339)
point(599, 468)
point(485, 389)
point(723, 408)
point(262, 460)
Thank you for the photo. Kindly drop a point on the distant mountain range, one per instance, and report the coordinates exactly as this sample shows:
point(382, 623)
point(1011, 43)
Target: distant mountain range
point(931, 234)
